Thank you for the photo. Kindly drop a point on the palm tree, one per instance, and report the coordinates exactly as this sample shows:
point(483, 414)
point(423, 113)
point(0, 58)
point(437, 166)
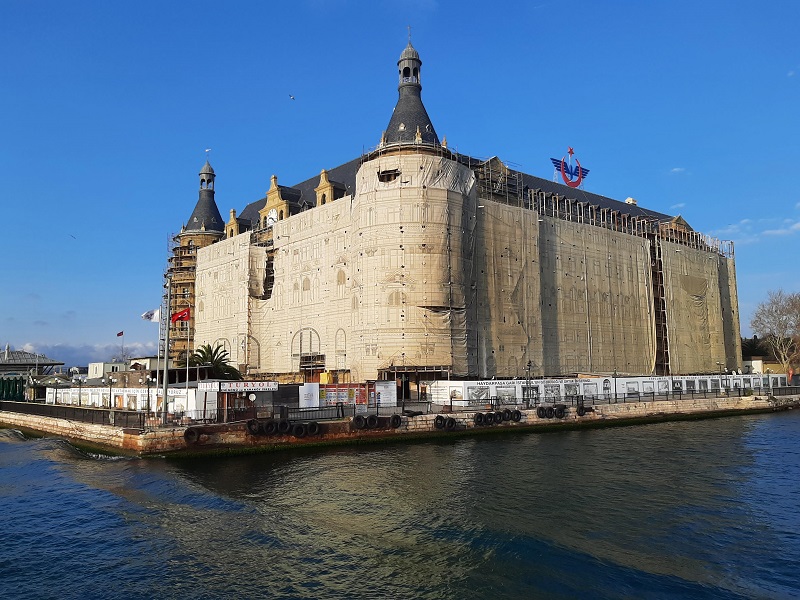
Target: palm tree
point(216, 359)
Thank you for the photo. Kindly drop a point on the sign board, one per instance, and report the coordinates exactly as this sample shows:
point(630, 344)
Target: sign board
point(247, 386)
point(208, 386)
point(309, 395)
point(386, 393)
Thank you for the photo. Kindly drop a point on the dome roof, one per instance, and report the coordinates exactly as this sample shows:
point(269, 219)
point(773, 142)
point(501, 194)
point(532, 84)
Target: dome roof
point(207, 170)
point(409, 52)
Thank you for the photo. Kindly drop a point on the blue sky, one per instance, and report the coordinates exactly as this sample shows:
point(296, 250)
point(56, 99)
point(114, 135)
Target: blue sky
point(106, 110)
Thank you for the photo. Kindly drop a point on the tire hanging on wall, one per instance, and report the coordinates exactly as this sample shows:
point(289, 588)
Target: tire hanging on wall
point(439, 421)
point(270, 427)
point(359, 422)
point(313, 428)
point(516, 415)
point(299, 430)
point(581, 411)
point(507, 415)
point(284, 426)
point(372, 421)
point(191, 435)
point(253, 427)
point(549, 412)
point(450, 424)
point(560, 412)
point(488, 419)
point(541, 412)
point(478, 419)
point(396, 421)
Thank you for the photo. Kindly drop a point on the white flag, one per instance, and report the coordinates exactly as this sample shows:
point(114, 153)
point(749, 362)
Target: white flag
point(153, 315)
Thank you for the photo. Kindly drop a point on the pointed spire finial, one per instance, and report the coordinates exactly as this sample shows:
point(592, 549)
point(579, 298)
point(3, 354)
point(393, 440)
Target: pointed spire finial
point(409, 34)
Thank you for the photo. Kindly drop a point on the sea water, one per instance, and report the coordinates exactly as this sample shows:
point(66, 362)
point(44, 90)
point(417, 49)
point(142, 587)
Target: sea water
point(693, 509)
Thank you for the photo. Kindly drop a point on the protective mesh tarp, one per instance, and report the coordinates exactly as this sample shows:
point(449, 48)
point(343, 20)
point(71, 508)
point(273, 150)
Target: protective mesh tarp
point(417, 270)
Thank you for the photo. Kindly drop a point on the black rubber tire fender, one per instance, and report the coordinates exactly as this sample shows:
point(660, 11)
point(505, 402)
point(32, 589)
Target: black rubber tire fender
point(507, 415)
point(396, 421)
point(359, 422)
point(299, 430)
point(549, 412)
point(372, 421)
point(581, 411)
point(478, 419)
point(439, 421)
point(191, 435)
point(560, 412)
point(284, 426)
point(541, 412)
point(498, 418)
point(270, 427)
point(253, 427)
point(516, 415)
point(450, 424)
point(488, 419)
point(313, 428)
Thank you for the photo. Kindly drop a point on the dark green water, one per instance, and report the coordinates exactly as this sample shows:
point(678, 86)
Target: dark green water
point(705, 509)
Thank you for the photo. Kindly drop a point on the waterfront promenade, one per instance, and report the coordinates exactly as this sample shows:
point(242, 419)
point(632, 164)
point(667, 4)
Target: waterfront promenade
point(247, 433)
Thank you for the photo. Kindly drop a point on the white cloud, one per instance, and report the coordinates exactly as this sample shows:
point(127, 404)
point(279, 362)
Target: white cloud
point(788, 230)
point(678, 205)
point(677, 170)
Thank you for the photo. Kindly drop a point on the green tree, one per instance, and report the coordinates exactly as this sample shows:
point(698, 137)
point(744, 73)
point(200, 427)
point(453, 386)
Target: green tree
point(777, 321)
point(216, 359)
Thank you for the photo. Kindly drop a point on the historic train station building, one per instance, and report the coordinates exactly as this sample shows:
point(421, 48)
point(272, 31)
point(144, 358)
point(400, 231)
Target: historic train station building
point(415, 261)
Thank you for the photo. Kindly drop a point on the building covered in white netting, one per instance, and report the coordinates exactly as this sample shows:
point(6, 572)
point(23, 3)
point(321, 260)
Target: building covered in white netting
point(416, 261)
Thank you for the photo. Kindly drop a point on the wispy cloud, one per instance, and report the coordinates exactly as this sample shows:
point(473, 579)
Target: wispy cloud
point(678, 205)
point(791, 73)
point(677, 170)
point(751, 231)
point(788, 229)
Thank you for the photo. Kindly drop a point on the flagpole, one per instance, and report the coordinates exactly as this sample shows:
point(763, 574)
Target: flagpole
point(166, 347)
point(158, 358)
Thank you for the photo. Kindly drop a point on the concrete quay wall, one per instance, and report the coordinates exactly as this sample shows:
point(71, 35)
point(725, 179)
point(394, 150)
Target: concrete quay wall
point(235, 435)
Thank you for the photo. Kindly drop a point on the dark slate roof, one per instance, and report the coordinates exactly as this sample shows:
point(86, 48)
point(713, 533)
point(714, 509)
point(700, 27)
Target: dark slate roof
point(207, 169)
point(553, 187)
point(410, 113)
point(205, 214)
point(342, 177)
point(346, 174)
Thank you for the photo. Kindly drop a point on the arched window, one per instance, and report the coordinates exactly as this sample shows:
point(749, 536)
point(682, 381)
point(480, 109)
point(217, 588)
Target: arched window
point(396, 307)
point(341, 280)
point(280, 216)
point(306, 289)
point(323, 198)
point(296, 293)
point(406, 72)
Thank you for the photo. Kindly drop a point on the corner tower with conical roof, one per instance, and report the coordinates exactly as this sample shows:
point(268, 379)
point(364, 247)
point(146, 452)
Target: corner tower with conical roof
point(410, 122)
point(205, 227)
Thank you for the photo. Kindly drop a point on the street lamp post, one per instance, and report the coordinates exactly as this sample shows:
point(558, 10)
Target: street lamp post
point(55, 391)
point(79, 381)
point(147, 380)
point(527, 395)
point(111, 381)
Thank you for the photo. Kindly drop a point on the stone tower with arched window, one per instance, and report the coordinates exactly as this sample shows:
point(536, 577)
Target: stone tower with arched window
point(205, 227)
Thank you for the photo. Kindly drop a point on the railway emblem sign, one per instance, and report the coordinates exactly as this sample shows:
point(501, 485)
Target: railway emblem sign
point(573, 176)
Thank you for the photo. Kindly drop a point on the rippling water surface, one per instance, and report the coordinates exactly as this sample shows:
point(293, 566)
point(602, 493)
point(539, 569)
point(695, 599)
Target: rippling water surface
point(705, 509)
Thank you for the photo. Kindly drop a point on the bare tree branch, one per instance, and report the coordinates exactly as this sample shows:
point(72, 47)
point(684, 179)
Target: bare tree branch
point(777, 321)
